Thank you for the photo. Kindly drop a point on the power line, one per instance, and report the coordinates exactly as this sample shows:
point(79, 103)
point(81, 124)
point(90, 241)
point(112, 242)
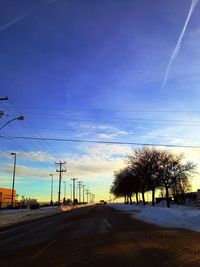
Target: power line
point(22, 147)
point(121, 132)
point(99, 141)
point(177, 123)
point(32, 127)
point(110, 109)
point(54, 115)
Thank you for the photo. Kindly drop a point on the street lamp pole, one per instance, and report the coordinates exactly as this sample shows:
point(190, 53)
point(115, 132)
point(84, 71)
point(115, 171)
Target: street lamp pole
point(18, 118)
point(13, 183)
point(51, 203)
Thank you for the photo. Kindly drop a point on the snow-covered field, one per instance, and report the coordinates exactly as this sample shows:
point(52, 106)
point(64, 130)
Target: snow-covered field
point(176, 216)
point(10, 217)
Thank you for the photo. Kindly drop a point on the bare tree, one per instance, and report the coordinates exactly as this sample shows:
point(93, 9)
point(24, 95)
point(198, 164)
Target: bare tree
point(150, 169)
point(172, 171)
point(146, 162)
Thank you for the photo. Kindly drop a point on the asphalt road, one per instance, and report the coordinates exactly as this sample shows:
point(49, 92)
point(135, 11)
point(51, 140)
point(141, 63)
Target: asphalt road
point(97, 236)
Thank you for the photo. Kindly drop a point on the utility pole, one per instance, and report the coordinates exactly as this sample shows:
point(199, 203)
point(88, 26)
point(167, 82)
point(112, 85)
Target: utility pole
point(83, 186)
point(70, 192)
point(79, 190)
point(76, 194)
point(1, 111)
point(74, 181)
point(87, 193)
point(93, 198)
point(60, 170)
point(64, 183)
point(51, 203)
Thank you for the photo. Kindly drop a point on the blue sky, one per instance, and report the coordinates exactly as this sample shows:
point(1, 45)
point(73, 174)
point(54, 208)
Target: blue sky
point(94, 70)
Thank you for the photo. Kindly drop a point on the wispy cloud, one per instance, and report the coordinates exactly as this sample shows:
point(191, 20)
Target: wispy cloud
point(33, 156)
point(23, 171)
point(178, 45)
point(99, 131)
point(20, 18)
point(12, 22)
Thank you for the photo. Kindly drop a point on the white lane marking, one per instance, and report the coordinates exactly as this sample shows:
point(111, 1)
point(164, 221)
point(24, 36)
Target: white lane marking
point(42, 250)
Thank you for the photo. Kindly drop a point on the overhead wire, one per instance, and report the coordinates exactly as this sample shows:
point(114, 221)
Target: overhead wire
point(58, 115)
point(122, 120)
point(23, 149)
point(121, 132)
point(111, 109)
point(100, 141)
point(32, 127)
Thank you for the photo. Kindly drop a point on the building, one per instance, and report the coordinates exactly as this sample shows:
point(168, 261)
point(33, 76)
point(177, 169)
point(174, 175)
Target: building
point(6, 197)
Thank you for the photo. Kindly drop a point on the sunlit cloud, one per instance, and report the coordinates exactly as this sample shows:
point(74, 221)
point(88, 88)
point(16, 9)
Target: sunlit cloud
point(91, 168)
point(108, 151)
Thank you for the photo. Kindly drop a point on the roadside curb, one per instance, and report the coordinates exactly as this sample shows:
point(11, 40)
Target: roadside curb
point(32, 220)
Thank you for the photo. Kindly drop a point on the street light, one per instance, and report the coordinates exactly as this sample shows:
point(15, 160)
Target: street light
point(51, 203)
point(21, 118)
point(13, 184)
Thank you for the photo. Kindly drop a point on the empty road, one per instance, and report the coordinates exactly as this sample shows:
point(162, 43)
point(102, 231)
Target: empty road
point(97, 236)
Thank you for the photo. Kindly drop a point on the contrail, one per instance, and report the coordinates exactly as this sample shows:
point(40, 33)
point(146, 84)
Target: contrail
point(12, 22)
point(178, 45)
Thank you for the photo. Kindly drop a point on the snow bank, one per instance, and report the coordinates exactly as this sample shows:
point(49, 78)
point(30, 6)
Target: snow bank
point(10, 217)
point(125, 207)
point(176, 216)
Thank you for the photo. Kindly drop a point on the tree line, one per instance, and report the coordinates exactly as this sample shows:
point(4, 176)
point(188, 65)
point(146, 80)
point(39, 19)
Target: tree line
point(150, 169)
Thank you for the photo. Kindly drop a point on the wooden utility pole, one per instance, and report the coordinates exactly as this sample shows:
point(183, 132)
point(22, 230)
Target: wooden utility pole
point(74, 180)
point(60, 170)
point(79, 190)
point(87, 193)
point(83, 186)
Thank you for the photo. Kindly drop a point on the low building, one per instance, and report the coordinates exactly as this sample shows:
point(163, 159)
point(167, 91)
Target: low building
point(6, 197)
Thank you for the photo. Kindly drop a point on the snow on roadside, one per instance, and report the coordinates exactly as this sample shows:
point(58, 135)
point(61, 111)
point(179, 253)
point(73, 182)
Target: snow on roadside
point(125, 207)
point(10, 217)
point(176, 216)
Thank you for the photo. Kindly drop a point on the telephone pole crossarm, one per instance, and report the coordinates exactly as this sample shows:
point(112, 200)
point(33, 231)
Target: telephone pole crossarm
point(60, 170)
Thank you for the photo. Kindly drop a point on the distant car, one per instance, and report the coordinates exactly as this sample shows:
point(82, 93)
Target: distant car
point(75, 202)
point(34, 206)
point(103, 202)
